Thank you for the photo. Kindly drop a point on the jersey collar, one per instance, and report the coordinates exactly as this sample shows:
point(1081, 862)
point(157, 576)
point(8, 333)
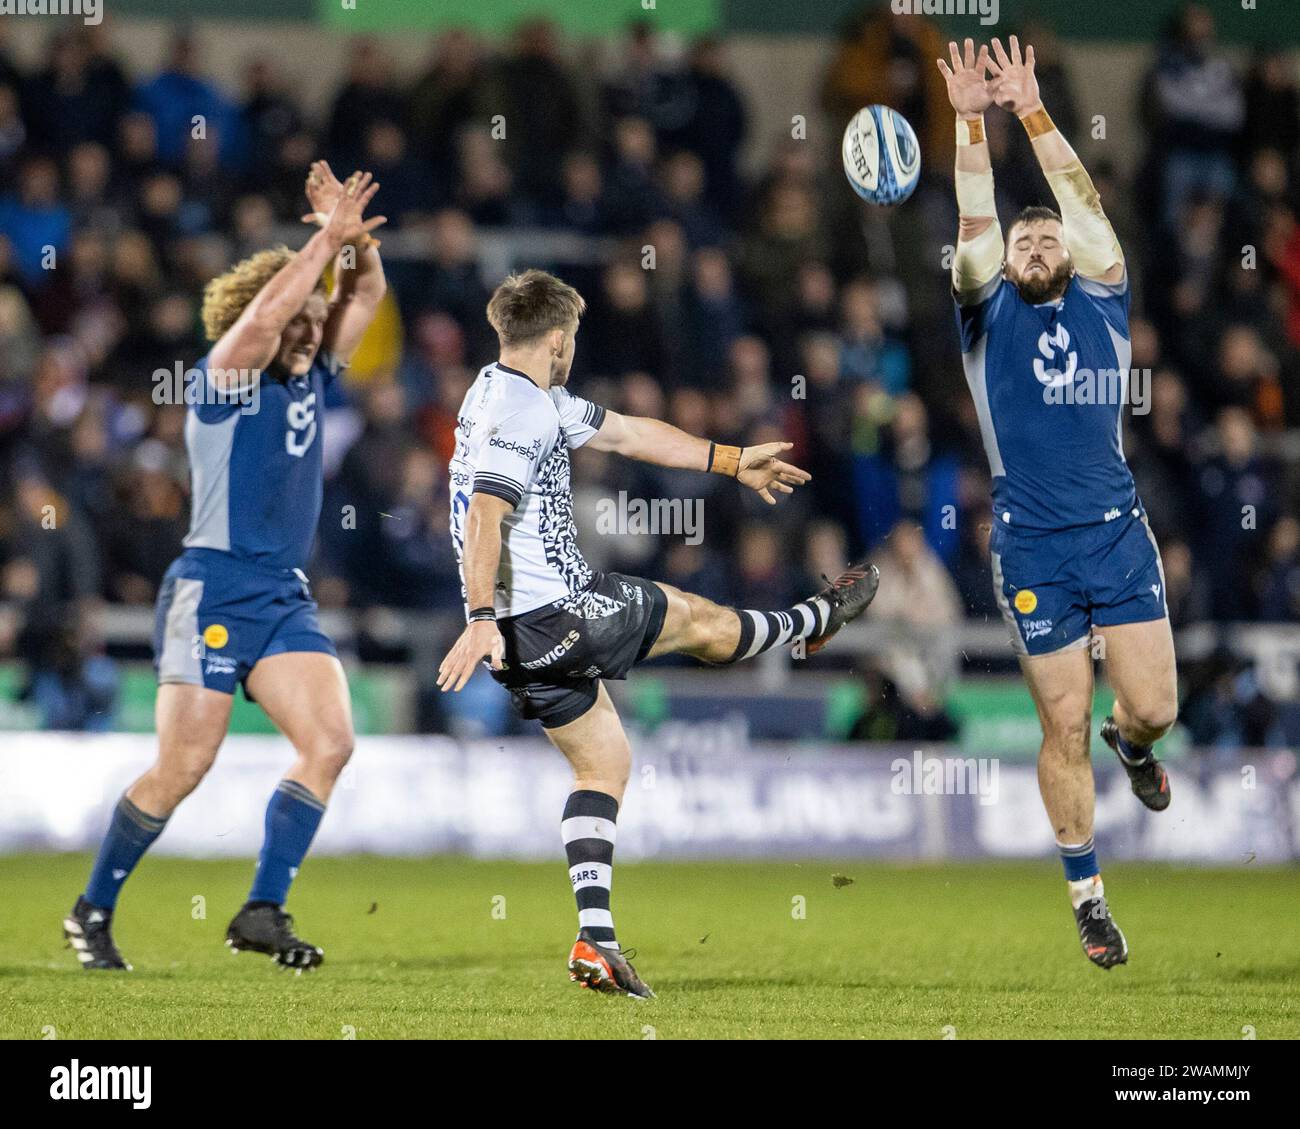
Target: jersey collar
point(515, 372)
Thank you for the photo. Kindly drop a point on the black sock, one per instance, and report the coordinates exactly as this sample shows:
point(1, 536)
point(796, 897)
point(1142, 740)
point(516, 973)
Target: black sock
point(761, 631)
point(589, 830)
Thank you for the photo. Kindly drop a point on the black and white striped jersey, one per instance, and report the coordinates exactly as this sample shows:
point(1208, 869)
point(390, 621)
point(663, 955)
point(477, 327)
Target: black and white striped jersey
point(513, 440)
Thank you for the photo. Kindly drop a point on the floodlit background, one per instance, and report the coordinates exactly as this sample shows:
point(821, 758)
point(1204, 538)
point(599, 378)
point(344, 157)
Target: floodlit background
point(679, 164)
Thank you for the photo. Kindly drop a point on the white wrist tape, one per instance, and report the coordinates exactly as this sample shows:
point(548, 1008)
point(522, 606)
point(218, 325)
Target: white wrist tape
point(977, 260)
point(975, 194)
point(1088, 233)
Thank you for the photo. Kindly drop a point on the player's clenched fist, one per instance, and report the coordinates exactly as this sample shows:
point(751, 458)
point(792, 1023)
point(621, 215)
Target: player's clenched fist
point(480, 640)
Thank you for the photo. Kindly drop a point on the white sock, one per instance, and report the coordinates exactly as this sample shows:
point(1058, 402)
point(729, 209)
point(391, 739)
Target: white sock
point(1084, 888)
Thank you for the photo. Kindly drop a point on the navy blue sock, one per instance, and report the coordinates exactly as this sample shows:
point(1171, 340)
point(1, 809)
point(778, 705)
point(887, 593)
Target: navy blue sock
point(1131, 753)
point(130, 833)
point(1080, 862)
point(292, 817)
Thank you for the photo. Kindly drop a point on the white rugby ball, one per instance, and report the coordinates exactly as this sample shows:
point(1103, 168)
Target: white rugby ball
point(881, 156)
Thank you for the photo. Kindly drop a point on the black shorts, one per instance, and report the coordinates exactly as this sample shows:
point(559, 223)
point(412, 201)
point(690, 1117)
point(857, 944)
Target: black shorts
point(556, 655)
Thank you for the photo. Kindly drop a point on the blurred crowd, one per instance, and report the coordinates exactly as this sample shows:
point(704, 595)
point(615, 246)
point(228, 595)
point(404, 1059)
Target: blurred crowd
point(743, 301)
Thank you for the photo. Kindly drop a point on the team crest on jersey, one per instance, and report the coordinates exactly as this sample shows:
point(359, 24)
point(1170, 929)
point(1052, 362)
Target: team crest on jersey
point(301, 417)
point(1049, 345)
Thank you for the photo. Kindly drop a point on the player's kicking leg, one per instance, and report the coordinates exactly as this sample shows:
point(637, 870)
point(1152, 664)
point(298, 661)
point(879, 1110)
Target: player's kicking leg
point(191, 723)
point(305, 694)
point(716, 634)
point(1061, 686)
point(1140, 666)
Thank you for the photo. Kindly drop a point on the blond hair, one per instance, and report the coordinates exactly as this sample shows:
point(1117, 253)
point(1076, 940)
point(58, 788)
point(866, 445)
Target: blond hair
point(225, 297)
point(527, 305)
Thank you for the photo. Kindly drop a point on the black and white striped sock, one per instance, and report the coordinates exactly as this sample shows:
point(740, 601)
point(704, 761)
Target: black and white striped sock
point(589, 832)
point(761, 631)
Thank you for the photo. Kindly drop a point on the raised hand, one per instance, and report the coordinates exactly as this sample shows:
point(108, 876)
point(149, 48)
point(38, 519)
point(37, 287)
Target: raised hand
point(345, 223)
point(323, 191)
point(1014, 85)
point(968, 89)
point(763, 472)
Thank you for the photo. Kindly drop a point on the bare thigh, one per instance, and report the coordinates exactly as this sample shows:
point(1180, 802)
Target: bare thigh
point(1141, 669)
point(1061, 686)
point(191, 722)
point(305, 693)
point(596, 748)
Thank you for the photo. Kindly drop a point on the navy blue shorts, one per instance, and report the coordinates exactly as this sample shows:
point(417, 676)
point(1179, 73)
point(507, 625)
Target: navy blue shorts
point(556, 655)
point(217, 616)
point(1054, 586)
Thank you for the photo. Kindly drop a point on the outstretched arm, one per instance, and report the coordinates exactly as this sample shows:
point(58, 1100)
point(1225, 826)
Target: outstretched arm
point(250, 344)
point(359, 283)
point(978, 259)
point(1088, 233)
point(653, 441)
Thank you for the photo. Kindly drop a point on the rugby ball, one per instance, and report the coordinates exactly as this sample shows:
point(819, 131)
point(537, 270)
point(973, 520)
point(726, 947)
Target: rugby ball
point(881, 157)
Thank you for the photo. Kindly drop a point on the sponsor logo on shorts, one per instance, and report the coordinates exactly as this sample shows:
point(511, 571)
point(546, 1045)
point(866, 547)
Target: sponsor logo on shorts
point(219, 664)
point(560, 649)
point(216, 636)
point(1026, 601)
point(1035, 628)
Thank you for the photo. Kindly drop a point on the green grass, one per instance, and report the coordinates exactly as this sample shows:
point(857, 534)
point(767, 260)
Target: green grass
point(904, 952)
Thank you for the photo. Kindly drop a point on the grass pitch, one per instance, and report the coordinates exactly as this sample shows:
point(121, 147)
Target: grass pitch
point(445, 947)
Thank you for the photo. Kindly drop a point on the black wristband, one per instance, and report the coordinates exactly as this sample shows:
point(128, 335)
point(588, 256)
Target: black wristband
point(712, 447)
point(477, 614)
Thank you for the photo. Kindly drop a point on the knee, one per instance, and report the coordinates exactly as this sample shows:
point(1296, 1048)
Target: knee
point(331, 751)
point(181, 768)
point(1066, 732)
point(696, 627)
point(711, 631)
point(1154, 719)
